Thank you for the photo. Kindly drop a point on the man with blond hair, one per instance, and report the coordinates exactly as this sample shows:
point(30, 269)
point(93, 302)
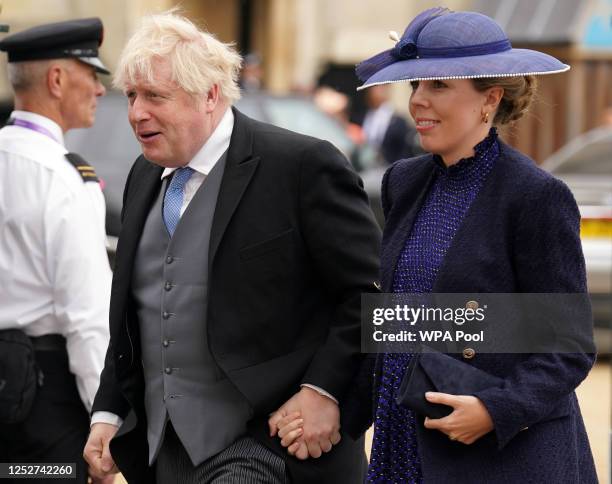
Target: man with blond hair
point(236, 293)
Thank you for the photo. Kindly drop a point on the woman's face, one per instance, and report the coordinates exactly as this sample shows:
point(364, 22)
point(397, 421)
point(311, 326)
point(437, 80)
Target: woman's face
point(448, 117)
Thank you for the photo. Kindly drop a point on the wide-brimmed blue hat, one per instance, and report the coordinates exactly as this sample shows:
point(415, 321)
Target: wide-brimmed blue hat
point(440, 44)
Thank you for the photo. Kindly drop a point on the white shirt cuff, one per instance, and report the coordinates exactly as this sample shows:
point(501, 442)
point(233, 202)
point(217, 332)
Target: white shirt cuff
point(319, 390)
point(107, 418)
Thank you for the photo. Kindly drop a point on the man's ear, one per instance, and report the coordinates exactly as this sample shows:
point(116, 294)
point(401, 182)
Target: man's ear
point(212, 98)
point(56, 80)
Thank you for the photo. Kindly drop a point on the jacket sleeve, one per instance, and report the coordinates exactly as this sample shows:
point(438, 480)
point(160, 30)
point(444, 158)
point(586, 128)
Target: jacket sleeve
point(343, 240)
point(548, 259)
point(109, 397)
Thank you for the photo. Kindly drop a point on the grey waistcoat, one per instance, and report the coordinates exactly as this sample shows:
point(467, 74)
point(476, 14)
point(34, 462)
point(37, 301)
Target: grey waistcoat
point(182, 381)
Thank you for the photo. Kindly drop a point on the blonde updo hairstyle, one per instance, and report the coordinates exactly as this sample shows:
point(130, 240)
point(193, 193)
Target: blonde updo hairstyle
point(518, 94)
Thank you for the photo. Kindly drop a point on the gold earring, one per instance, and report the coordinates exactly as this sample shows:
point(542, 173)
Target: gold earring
point(485, 118)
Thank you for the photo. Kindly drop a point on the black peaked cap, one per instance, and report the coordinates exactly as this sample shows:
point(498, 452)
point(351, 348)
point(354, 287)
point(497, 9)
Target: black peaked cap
point(79, 39)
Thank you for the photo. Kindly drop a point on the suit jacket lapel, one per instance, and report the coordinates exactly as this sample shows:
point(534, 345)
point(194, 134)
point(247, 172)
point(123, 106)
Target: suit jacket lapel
point(144, 187)
point(239, 169)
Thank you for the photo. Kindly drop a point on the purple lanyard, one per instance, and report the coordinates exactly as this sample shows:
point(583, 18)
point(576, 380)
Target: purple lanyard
point(33, 126)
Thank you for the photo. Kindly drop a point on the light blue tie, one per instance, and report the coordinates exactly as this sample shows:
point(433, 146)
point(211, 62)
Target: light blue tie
point(173, 200)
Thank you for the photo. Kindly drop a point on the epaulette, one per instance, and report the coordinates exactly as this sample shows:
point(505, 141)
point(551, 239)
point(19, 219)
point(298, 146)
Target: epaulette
point(86, 171)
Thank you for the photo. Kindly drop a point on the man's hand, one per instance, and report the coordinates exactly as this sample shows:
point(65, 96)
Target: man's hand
point(97, 452)
point(469, 421)
point(321, 424)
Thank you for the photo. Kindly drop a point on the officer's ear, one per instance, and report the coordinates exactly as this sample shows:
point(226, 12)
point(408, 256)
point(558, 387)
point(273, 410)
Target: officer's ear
point(56, 80)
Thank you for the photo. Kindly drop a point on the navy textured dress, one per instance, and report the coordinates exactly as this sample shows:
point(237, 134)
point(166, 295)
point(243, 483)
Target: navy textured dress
point(395, 456)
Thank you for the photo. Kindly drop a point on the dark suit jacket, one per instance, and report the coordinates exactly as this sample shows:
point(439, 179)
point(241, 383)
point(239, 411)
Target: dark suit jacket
point(293, 245)
point(521, 234)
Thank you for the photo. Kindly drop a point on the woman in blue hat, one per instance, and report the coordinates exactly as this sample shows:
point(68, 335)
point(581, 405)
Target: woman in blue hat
point(472, 216)
point(476, 215)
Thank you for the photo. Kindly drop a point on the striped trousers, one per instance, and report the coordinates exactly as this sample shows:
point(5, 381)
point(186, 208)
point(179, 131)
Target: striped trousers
point(246, 461)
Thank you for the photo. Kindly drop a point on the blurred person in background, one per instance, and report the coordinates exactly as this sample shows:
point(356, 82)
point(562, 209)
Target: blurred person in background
point(54, 271)
point(475, 216)
point(385, 130)
point(251, 75)
point(242, 256)
point(336, 105)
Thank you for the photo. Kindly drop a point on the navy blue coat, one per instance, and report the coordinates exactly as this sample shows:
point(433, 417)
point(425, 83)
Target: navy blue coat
point(521, 234)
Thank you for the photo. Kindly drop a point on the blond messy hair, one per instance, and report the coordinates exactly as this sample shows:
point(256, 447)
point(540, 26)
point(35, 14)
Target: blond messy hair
point(197, 59)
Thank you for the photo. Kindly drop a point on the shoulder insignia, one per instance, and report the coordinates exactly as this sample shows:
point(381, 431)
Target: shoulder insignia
point(86, 171)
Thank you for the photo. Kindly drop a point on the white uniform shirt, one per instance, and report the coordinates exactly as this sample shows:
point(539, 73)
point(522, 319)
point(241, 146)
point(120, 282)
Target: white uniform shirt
point(54, 271)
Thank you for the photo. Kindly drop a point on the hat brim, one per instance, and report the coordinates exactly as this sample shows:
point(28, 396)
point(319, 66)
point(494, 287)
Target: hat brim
point(513, 62)
point(95, 63)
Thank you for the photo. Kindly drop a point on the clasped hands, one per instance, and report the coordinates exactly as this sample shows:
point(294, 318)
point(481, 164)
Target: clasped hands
point(308, 424)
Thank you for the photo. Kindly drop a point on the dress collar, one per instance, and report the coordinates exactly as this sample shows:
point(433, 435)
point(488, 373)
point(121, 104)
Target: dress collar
point(210, 152)
point(485, 149)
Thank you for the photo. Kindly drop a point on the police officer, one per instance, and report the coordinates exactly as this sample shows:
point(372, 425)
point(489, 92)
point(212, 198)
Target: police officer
point(54, 271)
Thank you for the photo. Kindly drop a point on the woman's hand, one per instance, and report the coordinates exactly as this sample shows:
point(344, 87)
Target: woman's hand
point(308, 419)
point(469, 421)
point(290, 429)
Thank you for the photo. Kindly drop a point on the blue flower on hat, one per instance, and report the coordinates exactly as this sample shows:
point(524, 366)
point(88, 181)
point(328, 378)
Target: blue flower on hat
point(404, 49)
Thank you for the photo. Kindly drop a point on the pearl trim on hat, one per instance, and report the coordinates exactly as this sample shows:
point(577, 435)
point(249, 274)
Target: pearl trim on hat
point(475, 76)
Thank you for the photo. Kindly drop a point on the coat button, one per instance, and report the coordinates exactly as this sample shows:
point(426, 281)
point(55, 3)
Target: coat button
point(169, 259)
point(168, 286)
point(165, 315)
point(166, 343)
point(468, 353)
point(472, 305)
point(168, 370)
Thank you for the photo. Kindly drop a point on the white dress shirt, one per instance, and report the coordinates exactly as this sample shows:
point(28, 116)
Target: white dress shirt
point(54, 271)
point(205, 159)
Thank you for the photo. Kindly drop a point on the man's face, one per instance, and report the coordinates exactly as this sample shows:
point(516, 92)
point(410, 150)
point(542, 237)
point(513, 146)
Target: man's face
point(170, 124)
point(81, 92)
